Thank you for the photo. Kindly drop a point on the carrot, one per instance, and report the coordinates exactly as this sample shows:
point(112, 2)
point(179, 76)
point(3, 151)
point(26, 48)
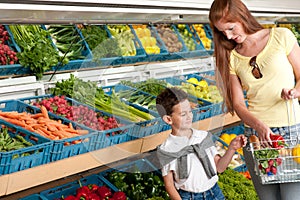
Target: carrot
point(70, 130)
point(27, 127)
point(37, 115)
point(12, 115)
point(36, 126)
point(45, 112)
point(45, 135)
point(82, 132)
point(30, 121)
point(51, 128)
point(14, 121)
point(45, 130)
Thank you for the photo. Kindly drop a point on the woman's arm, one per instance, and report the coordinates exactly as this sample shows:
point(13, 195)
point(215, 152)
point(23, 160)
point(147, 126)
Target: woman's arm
point(170, 187)
point(242, 111)
point(291, 93)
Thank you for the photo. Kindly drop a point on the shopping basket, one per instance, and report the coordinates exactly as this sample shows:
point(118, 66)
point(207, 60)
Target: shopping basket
point(279, 163)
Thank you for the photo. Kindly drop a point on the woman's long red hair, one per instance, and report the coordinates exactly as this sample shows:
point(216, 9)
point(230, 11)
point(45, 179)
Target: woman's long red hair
point(228, 11)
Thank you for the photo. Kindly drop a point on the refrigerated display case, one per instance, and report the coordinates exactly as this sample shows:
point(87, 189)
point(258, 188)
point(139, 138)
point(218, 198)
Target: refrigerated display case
point(92, 12)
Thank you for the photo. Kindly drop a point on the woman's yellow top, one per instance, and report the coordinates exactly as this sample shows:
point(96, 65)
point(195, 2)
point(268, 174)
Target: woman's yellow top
point(264, 95)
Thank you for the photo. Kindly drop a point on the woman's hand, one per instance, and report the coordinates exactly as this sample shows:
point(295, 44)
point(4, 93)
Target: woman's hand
point(287, 94)
point(264, 136)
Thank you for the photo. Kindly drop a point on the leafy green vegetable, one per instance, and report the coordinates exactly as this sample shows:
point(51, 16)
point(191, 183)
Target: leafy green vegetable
point(37, 51)
point(94, 35)
point(138, 185)
point(68, 41)
point(235, 186)
point(151, 86)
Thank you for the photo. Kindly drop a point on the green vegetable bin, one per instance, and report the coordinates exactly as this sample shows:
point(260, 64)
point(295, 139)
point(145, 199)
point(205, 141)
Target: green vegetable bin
point(60, 149)
point(83, 58)
point(139, 179)
point(143, 128)
point(19, 159)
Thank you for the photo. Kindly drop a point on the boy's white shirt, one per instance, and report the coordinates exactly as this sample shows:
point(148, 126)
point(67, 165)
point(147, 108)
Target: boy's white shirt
point(197, 180)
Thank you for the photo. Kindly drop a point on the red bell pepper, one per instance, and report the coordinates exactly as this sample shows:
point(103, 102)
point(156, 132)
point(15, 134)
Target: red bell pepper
point(119, 195)
point(277, 141)
point(83, 191)
point(104, 192)
point(70, 197)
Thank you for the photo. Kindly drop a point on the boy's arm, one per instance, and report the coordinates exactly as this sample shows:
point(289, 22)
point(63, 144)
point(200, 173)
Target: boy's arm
point(170, 187)
point(223, 162)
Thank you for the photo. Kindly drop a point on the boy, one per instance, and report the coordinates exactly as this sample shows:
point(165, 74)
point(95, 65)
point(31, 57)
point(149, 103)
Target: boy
point(188, 157)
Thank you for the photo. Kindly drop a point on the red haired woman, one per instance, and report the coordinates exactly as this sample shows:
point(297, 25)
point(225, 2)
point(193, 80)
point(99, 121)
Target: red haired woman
point(265, 63)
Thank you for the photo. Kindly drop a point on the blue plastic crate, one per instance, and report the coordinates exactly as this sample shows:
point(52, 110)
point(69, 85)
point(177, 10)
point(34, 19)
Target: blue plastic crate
point(146, 128)
point(199, 48)
point(162, 55)
point(238, 130)
point(34, 197)
point(104, 138)
point(142, 167)
point(62, 148)
point(208, 31)
point(198, 39)
point(70, 188)
point(210, 75)
point(140, 52)
point(14, 69)
point(179, 81)
point(183, 53)
point(135, 92)
point(143, 128)
point(27, 157)
point(75, 64)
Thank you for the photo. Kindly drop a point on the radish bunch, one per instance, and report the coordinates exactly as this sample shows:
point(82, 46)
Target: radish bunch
point(7, 56)
point(79, 113)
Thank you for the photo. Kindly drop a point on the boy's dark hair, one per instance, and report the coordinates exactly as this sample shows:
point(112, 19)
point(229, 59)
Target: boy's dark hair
point(168, 98)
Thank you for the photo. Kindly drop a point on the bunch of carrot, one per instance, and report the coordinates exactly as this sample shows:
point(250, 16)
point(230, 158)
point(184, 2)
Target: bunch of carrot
point(41, 123)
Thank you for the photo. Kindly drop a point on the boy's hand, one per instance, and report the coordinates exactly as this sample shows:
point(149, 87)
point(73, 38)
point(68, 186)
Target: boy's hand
point(238, 142)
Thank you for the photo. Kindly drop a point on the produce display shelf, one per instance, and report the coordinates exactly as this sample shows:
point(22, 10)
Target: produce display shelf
point(77, 145)
point(55, 170)
point(104, 137)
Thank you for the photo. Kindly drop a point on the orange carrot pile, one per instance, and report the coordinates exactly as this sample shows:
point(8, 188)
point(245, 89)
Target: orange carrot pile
point(41, 123)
